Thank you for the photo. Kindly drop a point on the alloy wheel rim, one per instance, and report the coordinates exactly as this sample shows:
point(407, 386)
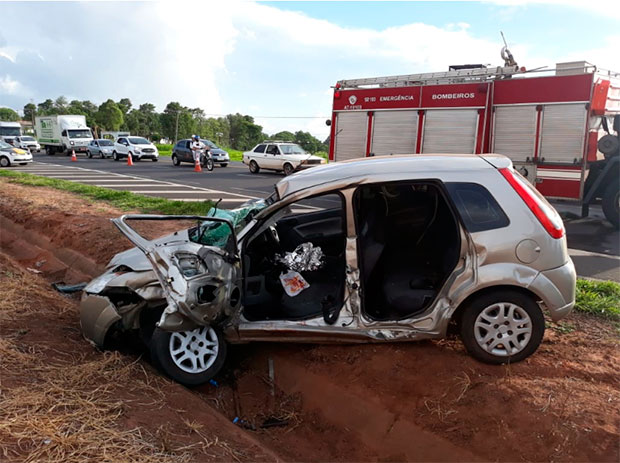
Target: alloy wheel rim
point(503, 329)
point(194, 351)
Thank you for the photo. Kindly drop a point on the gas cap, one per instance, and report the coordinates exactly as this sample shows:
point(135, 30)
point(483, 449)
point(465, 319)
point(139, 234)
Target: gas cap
point(527, 251)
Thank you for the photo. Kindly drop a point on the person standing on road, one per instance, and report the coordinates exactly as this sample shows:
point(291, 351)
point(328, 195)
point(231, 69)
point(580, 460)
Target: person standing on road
point(197, 147)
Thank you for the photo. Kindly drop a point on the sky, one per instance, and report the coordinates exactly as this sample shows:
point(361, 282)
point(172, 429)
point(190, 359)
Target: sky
point(276, 61)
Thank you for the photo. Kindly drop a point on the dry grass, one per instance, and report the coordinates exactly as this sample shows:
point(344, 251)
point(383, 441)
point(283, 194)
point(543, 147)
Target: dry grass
point(21, 289)
point(67, 412)
point(57, 405)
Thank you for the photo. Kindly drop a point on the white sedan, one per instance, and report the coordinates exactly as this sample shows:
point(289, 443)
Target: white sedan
point(280, 156)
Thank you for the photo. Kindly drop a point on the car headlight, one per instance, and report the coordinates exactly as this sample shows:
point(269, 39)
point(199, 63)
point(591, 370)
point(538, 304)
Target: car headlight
point(323, 161)
point(73, 143)
point(137, 150)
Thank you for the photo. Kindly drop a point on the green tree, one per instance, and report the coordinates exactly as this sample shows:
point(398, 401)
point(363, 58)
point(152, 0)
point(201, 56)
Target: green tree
point(109, 116)
point(124, 105)
point(8, 115)
point(46, 108)
point(174, 117)
point(244, 133)
point(30, 111)
point(284, 136)
point(60, 105)
point(308, 142)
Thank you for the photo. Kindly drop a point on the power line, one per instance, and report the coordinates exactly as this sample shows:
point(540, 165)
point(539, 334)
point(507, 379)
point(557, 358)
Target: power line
point(275, 117)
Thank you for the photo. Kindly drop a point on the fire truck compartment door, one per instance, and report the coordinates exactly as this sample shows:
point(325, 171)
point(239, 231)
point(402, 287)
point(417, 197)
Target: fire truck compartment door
point(450, 131)
point(563, 133)
point(351, 128)
point(514, 131)
point(394, 132)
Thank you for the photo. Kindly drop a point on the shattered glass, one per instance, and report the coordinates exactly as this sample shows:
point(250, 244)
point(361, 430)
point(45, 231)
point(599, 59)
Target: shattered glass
point(305, 258)
point(218, 234)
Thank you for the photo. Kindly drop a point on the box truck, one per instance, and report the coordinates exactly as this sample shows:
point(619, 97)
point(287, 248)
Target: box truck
point(62, 134)
point(10, 130)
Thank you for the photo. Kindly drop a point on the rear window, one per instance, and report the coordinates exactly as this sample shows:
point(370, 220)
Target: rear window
point(477, 207)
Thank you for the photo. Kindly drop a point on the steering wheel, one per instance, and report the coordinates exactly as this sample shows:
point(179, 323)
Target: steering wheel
point(274, 234)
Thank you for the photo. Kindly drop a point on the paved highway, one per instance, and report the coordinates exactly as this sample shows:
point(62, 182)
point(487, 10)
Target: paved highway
point(594, 245)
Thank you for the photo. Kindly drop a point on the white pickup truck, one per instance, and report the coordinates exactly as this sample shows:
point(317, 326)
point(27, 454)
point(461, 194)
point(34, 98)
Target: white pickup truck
point(139, 148)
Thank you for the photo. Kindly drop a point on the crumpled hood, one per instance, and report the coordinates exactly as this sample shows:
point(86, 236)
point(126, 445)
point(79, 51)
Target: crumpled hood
point(136, 260)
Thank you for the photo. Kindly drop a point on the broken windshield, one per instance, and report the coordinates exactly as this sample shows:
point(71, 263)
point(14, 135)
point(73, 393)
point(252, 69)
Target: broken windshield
point(217, 233)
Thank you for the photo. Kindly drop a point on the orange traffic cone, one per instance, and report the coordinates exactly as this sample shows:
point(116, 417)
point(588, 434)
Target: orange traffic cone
point(197, 167)
point(129, 160)
point(73, 156)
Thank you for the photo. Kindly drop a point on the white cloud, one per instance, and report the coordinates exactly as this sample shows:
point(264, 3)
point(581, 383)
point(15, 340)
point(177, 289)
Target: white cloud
point(232, 56)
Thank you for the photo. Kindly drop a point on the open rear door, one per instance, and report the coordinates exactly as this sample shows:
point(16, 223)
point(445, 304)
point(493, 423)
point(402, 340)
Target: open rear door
point(198, 269)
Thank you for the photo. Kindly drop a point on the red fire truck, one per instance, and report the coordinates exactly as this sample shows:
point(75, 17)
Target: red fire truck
point(560, 127)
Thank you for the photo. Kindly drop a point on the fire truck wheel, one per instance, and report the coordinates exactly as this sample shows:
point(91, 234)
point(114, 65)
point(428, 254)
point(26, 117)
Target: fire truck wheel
point(611, 204)
point(254, 168)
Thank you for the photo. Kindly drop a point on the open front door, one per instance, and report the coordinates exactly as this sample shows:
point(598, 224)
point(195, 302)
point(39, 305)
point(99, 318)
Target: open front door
point(198, 269)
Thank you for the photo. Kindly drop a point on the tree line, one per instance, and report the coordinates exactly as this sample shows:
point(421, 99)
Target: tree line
point(234, 131)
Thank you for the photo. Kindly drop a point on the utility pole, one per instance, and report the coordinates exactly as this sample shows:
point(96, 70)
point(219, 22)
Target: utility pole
point(176, 131)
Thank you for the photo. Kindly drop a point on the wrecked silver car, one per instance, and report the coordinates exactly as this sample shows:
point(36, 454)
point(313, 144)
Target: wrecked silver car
point(381, 249)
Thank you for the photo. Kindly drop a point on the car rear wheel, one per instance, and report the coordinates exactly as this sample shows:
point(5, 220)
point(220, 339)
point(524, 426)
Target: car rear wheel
point(611, 204)
point(254, 168)
point(288, 169)
point(175, 160)
point(189, 357)
point(4, 162)
point(115, 156)
point(224, 164)
point(502, 326)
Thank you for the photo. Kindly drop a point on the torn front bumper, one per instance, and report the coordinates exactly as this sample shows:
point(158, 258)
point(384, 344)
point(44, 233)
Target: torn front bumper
point(97, 315)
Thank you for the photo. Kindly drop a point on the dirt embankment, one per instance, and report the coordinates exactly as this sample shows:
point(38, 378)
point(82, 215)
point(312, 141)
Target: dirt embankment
point(426, 401)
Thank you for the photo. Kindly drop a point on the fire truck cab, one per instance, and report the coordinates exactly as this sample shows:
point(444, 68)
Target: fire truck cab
point(560, 127)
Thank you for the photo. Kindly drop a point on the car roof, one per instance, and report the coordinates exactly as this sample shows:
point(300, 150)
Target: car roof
point(385, 168)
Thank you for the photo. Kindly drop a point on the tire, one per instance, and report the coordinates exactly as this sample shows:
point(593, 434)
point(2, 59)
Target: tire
point(155, 159)
point(610, 203)
point(175, 160)
point(288, 169)
point(101, 156)
point(89, 154)
point(115, 156)
point(49, 151)
point(5, 162)
point(163, 344)
point(65, 150)
point(224, 164)
point(511, 309)
point(254, 168)
point(209, 164)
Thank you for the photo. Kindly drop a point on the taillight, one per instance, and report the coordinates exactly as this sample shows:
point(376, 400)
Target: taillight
point(546, 215)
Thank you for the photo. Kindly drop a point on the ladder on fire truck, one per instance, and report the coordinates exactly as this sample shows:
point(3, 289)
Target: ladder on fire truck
point(431, 78)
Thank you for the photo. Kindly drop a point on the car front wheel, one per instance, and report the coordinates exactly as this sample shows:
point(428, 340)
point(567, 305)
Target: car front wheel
point(115, 156)
point(89, 154)
point(4, 161)
point(288, 169)
point(175, 160)
point(502, 326)
point(254, 168)
point(224, 164)
point(190, 357)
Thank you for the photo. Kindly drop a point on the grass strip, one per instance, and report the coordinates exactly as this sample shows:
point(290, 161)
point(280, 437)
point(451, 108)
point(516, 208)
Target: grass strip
point(166, 150)
point(599, 298)
point(124, 200)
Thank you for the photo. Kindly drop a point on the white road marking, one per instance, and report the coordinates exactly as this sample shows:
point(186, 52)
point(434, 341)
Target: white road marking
point(52, 170)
